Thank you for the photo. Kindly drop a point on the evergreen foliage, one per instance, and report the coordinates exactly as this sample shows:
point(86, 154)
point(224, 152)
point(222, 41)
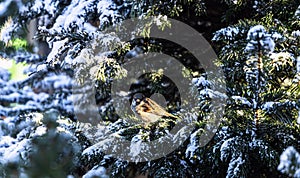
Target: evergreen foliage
point(258, 45)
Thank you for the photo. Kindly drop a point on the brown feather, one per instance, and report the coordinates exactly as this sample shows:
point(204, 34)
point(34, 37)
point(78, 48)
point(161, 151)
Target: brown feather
point(150, 111)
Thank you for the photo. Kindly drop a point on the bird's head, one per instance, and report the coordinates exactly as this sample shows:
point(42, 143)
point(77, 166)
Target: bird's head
point(137, 98)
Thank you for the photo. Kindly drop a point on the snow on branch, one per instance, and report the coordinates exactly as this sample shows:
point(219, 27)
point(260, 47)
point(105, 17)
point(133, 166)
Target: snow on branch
point(290, 162)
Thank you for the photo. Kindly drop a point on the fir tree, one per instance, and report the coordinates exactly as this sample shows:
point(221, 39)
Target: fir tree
point(258, 47)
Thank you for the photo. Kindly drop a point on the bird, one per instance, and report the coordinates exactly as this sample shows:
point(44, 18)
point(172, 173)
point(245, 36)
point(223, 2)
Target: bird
point(148, 110)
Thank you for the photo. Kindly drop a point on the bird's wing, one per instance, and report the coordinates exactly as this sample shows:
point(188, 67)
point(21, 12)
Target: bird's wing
point(149, 117)
point(157, 109)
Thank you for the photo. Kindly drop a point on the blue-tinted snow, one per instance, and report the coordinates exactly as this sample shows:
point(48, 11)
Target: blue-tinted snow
point(258, 36)
point(55, 49)
point(243, 100)
point(135, 146)
point(41, 67)
point(225, 148)
point(276, 36)
point(268, 106)
point(256, 32)
point(3, 6)
point(212, 94)
point(226, 34)
point(298, 119)
point(4, 75)
point(12, 151)
point(40, 130)
point(193, 146)
point(296, 33)
point(76, 11)
point(201, 82)
point(297, 13)
point(298, 64)
point(96, 172)
point(134, 52)
point(297, 173)
point(289, 162)
point(234, 168)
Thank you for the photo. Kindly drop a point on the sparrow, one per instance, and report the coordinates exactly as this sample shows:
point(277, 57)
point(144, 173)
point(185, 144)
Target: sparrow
point(148, 110)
